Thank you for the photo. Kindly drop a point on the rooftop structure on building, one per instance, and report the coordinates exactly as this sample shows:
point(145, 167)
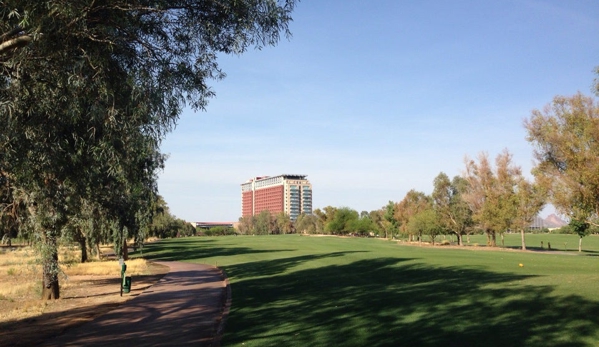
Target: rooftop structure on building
point(287, 193)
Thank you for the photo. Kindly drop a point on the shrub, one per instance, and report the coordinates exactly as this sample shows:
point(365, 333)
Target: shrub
point(219, 231)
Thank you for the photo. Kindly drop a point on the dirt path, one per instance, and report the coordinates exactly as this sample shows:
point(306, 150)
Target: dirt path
point(185, 308)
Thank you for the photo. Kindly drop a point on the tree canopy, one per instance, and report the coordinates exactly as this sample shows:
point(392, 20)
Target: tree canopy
point(491, 193)
point(565, 136)
point(88, 89)
point(449, 203)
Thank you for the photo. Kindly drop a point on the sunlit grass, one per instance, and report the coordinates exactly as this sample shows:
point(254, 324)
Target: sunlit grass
point(326, 291)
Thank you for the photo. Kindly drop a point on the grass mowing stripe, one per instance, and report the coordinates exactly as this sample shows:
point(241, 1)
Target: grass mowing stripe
point(323, 291)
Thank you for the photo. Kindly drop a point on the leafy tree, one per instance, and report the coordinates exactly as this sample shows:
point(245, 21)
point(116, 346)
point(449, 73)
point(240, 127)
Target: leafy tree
point(13, 210)
point(580, 228)
point(413, 203)
point(455, 214)
point(161, 219)
point(565, 136)
point(425, 222)
point(363, 225)
point(530, 199)
point(246, 225)
point(83, 229)
point(308, 224)
point(325, 216)
point(491, 193)
point(283, 224)
point(379, 224)
point(342, 221)
point(264, 223)
point(389, 216)
point(89, 88)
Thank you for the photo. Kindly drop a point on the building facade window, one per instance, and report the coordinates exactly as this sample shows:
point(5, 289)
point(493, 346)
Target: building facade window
point(291, 194)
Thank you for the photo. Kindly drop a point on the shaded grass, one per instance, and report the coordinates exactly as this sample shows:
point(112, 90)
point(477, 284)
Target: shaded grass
point(307, 291)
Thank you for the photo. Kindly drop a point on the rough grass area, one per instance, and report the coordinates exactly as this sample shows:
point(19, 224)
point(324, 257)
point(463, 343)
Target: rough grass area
point(87, 290)
point(328, 291)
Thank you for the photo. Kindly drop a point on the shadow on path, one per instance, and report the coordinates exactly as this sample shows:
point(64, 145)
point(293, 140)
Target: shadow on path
point(183, 309)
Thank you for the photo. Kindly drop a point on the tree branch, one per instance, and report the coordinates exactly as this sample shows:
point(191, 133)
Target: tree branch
point(17, 42)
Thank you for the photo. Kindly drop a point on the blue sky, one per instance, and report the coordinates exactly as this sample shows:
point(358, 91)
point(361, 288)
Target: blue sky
point(373, 98)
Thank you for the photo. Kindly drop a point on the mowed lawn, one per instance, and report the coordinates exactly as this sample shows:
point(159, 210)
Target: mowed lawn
point(326, 291)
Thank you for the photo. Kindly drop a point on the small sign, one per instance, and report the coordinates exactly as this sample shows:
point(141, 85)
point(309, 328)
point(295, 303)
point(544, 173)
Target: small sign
point(121, 261)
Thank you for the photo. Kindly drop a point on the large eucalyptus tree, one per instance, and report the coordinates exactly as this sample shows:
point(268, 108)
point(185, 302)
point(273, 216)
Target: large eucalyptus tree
point(88, 88)
point(565, 136)
point(491, 193)
point(455, 214)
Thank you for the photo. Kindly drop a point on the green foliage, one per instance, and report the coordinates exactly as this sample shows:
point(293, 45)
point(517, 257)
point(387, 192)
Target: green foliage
point(308, 224)
point(565, 135)
point(218, 231)
point(266, 224)
point(579, 227)
point(325, 216)
point(263, 223)
point(88, 90)
point(413, 203)
point(343, 222)
point(363, 226)
point(164, 225)
point(425, 222)
point(391, 227)
point(454, 213)
point(540, 231)
point(492, 193)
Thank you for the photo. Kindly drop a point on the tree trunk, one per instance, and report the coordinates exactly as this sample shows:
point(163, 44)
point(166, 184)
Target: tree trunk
point(502, 241)
point(493, 239)
point(580, 244)
point(82, 240)
point(125, 250)
point(460, 241)
point(98, 251)
point(83, 245)
point(50, 287)
point(522, 238)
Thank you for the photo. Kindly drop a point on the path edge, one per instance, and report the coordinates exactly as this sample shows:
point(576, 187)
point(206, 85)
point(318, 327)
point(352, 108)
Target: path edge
point(226, 308)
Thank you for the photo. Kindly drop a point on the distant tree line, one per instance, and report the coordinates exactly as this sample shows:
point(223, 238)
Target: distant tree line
point(489, 197)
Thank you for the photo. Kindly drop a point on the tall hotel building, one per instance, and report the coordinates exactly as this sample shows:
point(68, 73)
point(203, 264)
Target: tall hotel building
point(291, 194)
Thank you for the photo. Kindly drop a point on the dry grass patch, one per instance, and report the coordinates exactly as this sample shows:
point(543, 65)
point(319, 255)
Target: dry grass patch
point(87, 290)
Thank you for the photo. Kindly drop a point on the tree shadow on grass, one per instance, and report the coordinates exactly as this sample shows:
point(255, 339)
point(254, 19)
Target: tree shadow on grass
point(392, 302)
point(278, 266)
point(193, 249)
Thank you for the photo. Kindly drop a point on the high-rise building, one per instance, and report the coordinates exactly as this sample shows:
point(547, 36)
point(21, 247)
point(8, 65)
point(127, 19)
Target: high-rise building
point(291, 194)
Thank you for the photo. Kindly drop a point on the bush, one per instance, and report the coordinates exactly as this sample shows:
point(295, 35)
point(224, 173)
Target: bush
point(219, 231)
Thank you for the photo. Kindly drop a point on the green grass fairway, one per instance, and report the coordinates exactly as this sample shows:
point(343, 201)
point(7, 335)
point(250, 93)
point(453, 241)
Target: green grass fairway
point(326, 291)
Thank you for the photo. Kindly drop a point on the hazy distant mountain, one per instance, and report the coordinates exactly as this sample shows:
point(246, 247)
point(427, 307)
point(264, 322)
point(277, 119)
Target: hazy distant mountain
point(553, 221)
